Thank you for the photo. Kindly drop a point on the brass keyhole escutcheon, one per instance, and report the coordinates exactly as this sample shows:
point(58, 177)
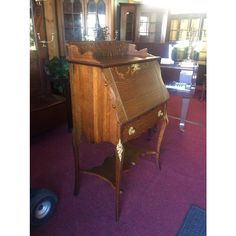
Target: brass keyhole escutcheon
point(131, 130)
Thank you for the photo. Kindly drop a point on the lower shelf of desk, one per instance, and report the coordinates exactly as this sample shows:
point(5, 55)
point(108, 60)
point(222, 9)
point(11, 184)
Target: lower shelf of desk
point(106, 170)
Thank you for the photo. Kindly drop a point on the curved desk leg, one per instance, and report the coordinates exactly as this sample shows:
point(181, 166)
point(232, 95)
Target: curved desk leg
point(76, 143)
point(164, 123)
point(119, 164)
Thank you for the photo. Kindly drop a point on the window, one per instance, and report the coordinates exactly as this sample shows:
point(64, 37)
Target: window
point(144, 25)
point(187, 27)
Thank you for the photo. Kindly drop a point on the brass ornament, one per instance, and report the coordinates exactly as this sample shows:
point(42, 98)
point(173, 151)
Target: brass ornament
point(119, 149)
point(131, 130)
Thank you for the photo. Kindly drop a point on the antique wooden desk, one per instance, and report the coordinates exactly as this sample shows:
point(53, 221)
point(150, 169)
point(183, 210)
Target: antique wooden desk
point(117, 94)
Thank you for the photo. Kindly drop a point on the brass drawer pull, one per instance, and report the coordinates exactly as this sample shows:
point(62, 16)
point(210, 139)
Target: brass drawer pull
point(131, 130)
point(160, 113)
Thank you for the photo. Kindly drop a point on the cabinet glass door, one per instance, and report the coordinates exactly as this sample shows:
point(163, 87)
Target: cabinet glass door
point(129, 26)
point(73, 20)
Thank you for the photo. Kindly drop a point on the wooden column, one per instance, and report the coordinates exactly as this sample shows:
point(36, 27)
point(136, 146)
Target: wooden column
point(51, 27)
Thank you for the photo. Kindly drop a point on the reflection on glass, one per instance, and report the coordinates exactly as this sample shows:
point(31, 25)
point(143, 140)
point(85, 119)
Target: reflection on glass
point(91, 20)
point(67, 6)
point(173, 35)
point(68, 34)
point(183, 35)
point(174, 24)
point(68, 20)
point(195, 24)
point(183, 32)
point(77, 34)
point(32, 33)
point(184, 24)
point(73, 20)
point(91, 24)
point(77, 20)
point(144, 25)
point(91, 6)
point(77, 6)
point(204, 30)
point(101, 11)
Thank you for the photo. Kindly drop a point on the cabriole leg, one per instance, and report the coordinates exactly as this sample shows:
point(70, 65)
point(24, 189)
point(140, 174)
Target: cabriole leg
point(164, 123)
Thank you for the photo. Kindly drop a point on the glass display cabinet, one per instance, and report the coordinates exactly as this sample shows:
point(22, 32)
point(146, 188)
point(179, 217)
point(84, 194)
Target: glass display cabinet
point(80, 20)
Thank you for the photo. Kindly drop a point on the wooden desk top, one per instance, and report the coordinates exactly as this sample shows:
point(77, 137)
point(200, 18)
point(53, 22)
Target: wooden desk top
point(106, 54)
point(105, 62)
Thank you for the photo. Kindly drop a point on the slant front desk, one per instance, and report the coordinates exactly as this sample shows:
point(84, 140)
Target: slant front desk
point(117, 94)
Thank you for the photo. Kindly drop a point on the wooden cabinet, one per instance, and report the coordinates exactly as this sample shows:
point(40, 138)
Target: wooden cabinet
point(47, 110)
point(128, 21)
point(38, 54)
point(80, 20)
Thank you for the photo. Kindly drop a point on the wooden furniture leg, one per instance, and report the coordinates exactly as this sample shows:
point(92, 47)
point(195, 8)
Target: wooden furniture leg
point(119, 165)
point(164, 123)
point(76, 143)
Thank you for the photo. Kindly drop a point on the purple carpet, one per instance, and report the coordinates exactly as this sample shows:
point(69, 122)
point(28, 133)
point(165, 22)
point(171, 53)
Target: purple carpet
point(153, 202)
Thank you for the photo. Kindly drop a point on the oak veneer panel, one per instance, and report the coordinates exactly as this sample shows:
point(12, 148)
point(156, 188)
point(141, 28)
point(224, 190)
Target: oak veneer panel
point(91, 96)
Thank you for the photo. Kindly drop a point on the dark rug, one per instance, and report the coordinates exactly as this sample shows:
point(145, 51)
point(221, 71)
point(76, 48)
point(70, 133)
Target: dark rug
point(194, 223)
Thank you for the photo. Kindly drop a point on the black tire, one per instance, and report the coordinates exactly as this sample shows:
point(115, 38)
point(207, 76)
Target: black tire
point(42, 206)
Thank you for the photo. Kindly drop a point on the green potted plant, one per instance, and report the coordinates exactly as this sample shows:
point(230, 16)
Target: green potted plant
point(57, 70)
